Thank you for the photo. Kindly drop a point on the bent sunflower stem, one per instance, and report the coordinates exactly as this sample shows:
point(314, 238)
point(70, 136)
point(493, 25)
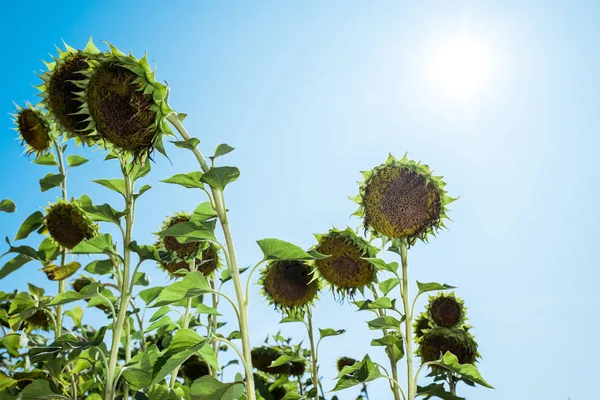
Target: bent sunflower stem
point(232, 265)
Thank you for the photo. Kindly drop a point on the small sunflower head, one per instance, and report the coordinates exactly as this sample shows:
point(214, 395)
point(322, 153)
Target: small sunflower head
point(59, 91)
point(126, 106)
point(182, 251)
point(68, 224)
point(345, 362)
point(34, 130)
point(278, 393)
point(401, 199)
point(289, 284)
point(79, 283)
point(263, 357)
point(345, 269)
point(38, 320)
point(437, 341)
point(297, 368)
point(194, 368)
point(446, 311)
point(421, 325)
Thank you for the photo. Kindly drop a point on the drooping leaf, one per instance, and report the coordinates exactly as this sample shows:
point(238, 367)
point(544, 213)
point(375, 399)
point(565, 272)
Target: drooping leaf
point(14, 265)
point(144, 251)
point(330, 332)
point(39, 389)
point(46, 159)
point(76, 314)
point(141, 191)
point(141, 279)
point(219, 177)
point(48, 250)
point(104, 213)
point(101, 244)
point(203, 212)
point(385, 322)
point(116, 185)
point(382, 303)
point(187, 232)
point(58, 273)
point(189, 144)
point(393, 342)
point(431, 286)
point(209, 388)
point(148, 295)
point(51, 181)
point(360, 372)
point(99, 267)
point(469, 371)
point(387, 285)
point(382, 265)
point(275, 249)
point(8, 206)
point(190, 180)
point(436, 390)
point(74, 160)
point(192, 285)
point(32, 223)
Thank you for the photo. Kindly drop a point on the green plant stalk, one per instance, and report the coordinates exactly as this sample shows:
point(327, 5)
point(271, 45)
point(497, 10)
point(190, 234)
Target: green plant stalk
point(125, 294)
point(186, 324)
point(62, 284)
point(313, 353)
point(390, 354)
point(408, 323)
point(127, 355)
point(213, 322)
point(233, 267)
point(452, 383)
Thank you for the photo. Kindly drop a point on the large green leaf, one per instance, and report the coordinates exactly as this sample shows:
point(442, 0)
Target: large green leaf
point(219, 177)
point(189, 144)
point(209, 388)
point(99, 267)
point(104, 213)
point(387, 285)
point(382, 303)
point(32, 223)
point(431, 286)
point(51, 181)
point(59, 272)
point(74, 160)
point(148, 295)
point(385, 322)
point(5, 381)
point(46, 159)
point(192, 285)
point(360, 372)
point(39, 389)
point(14, 265)
point(187, 232)
point(330, 332)
point(11, 342)
point(190, 180)
point(275, 249)
point(116, 185)
point(89, 291)
point(382, 265)
point(469, 371)
point(436, 390)
point(393, 342)
point(101, 244)
point(203, 212)
point(144, 251)
point(8, 206)
point(25, 250)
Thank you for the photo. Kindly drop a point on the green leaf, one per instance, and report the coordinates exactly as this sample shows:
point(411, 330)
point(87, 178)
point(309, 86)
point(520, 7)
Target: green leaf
point(393, 342)
point(45, 159)
point(164, 321)
point(164, 310)
point(8, 206)
point(144, 251)
point(11, 342)
point(187, 232)
point(140, 170)
point(180, 349)
point(25, 250)
point(148, 295)
point(141, 279)
point(59, 272)
point(104, 213)
point(204, 309)
point(437, 390)
point(221, 150)
point(189, 144)
point(284, 359)
point(74, 160)
point(219, 177)
point(70, 296)
point(101, 244)
point(14, 265)
point(330, 332)
point(48, 250)
point(6, 382)
point(39, 389)
point(387, 285)
point(385, 322)
point(275, 249)
point(51, 181)
point(469, 371)
point(382, 303)
point(203, 212)
point(360, 372)
point(209, 388)
point(116, 185)
point(190, 181)
point(192, 285)
point(32, 223)
point(99, 267)
point(382, 265)
point(431, 286)
point(142, 190)
point(76, 314)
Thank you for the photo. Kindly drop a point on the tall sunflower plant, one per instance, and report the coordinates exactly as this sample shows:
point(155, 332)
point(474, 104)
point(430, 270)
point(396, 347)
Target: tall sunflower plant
point(171, 342)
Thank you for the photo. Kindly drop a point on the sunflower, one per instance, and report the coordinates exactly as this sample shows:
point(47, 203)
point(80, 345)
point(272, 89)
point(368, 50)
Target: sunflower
point(446, 311)
point(68, 224)
point(37, 320)
point(34, 130)
point(125, 105)
point(81, 282)
point(421, 325)
point(345, 362)
point(402, 200)
point(289, 284)
point(263, 357)
point(437, 341)
point(59, 90)
point(194, 368)
point(345, 269)
point(297, 368)
point(278, 393)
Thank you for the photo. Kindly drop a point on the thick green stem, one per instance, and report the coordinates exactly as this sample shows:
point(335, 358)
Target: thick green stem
point(125, 293)
point(62, 284)
point(127, 355)
point(213, 322)
point(313, 353)
point(232, 265)
point(452, 382)
point(408, 323)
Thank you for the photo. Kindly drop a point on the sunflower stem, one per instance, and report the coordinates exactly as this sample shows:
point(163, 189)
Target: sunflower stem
point(232, 264)
point(124, 286)
point(452, 383)
point(313, 353)
point(62, 284)
point(186, 323)
point(213, 322)
point(407, 322)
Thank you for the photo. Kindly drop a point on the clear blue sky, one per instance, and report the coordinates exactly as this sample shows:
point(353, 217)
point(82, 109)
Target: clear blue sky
point(310, 93)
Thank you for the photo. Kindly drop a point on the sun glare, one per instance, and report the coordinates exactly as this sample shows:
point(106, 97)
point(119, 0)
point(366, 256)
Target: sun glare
point(460, 68)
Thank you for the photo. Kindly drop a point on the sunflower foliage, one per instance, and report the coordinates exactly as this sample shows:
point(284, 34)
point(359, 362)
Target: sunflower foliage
point(106, 333)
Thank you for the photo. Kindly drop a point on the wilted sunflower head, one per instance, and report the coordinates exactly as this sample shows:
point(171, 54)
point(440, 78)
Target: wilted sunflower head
point(345, 362)
point(59, 90)
point(345, 269)
point(401, 199)
point(182, 251)
point(194, 368)
point(38, 320)
point(34, 130)
point(437, 341)
point(278, 393)
point(289, 284)
point(207, 263)
point(297, 368)
point(126, 106)
point(80, 283)
point(263, 357)
point(421, 325)
point(446, 310)
point(68, 224)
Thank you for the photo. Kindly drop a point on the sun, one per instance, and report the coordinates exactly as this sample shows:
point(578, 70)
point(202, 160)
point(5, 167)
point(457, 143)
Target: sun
point(460, 68)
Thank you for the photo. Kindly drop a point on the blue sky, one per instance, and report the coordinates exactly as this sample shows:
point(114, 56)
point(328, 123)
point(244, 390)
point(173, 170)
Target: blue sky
point(310, 93)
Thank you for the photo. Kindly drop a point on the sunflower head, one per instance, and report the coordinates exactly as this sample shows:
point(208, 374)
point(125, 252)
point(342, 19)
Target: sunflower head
point(68, 224)
point(263, 357)
point(345, 362)
point(34, 130)
point(278, 393)
point(59, 91)
point(182, 251)
point(446, 311)
point(437, 341)
point(345, 269)
point(402, 200)
point(297, 368)
point(207, 263)
point(289, 284)
point(127, 108)
point(38, 320)
point(79, 283)
point(421, 325)
point(194, 368)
